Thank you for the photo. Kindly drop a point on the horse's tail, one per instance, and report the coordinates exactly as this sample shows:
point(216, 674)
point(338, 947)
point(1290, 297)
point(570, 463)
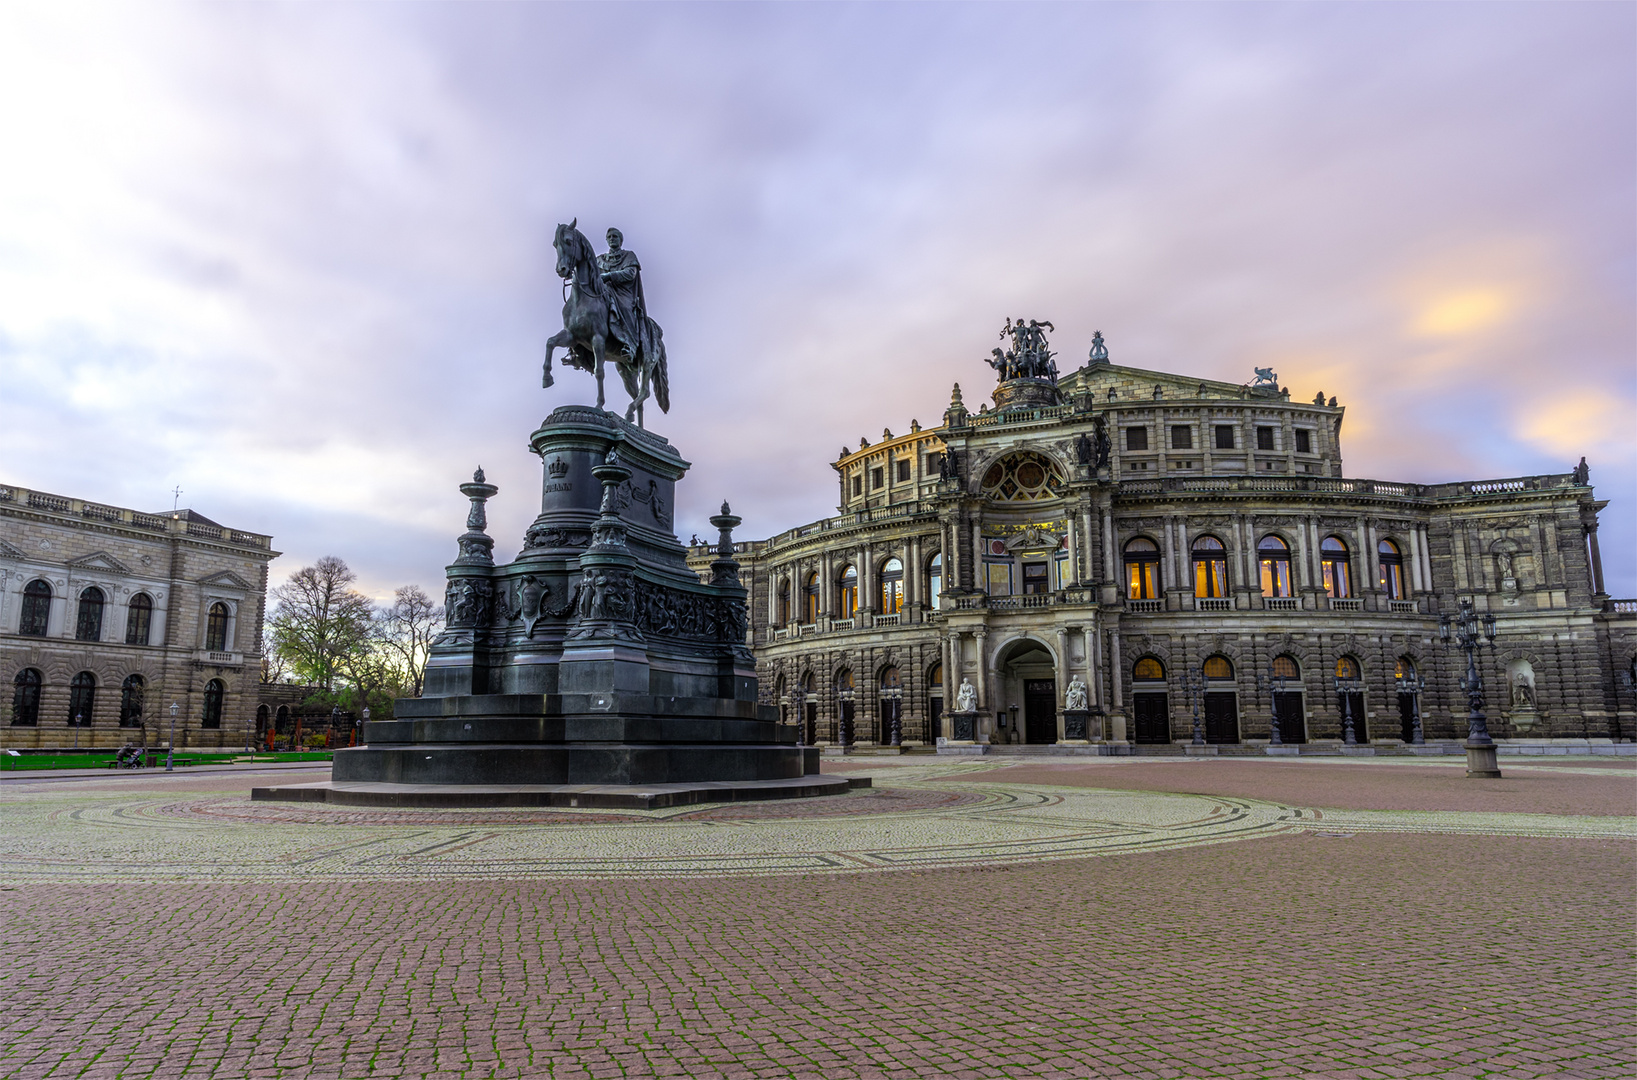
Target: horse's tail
point(662, 379)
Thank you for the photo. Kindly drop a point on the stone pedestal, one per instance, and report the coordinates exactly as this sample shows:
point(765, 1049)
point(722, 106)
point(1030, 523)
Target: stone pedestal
point(963, 727)
point(596, 657)
point(1481, 761)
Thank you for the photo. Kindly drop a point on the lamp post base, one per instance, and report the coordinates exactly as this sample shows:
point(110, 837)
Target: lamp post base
point(1481, 762)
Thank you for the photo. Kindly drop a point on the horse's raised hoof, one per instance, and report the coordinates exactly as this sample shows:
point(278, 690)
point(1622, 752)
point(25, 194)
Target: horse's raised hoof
point(547, 380)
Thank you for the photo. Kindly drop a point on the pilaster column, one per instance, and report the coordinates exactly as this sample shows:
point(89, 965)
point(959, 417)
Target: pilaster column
point(1596, 559)
point(1116, 672)
point(1062, 676)
point(981, 645)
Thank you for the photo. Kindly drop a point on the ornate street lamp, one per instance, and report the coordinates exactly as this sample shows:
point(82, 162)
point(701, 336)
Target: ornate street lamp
point(1471, 633)
point(1412, 685)
point(894, 695)
point(844, 726)
point(1346, 687)
point(1193, 686)
point(170, 747)
point(79, 718)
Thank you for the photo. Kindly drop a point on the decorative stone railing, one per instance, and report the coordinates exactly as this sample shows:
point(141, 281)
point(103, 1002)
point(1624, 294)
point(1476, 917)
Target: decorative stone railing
point(1281, 603)
point(1213, 603)
point(1145, 607)
point(1323, 485)
point(1402, 607)
point(1346, 605)
point(887, 620)
point(59, 504)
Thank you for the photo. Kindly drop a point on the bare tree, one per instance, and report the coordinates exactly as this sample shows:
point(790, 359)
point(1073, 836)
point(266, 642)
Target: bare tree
point(320, 621)
point(405, 630)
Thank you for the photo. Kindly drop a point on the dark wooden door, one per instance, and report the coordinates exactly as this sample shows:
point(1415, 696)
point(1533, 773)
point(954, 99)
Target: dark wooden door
point(935, 717)
point(1221, 718)
point(812, 723)
point(844, 726)
point(1151, 718)
point(1292, 724)
point(1040, 710)
point(1355, 703)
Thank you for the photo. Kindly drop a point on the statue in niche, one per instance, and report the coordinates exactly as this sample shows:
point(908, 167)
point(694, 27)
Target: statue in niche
point(1523, 691)
point(966, 698)
point(531, 602)
point(1075, 698)
point(1082, 449)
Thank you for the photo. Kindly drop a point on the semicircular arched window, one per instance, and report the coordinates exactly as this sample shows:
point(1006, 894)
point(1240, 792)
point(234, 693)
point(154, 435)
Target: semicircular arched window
point(1025, 476)
point(1392, 569)
point(1336, 564)
point(1286, 667)
point(88, 627)
point(935, 580)
point(216, 628)
point(82, 699)
point(1142, 569)
point(1346, 668)
point(892, 587)
point(36, 608)
point(131, 694)
point(25, 698)
point(848, 593)
point(810, 598)
point(1148, 669)
point(214, 690)
point(1218, 667)
point(138, 619)
point(1274, 555)
point(1210, 568)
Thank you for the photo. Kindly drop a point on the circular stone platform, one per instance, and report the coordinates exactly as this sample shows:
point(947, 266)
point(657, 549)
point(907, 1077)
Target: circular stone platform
point(596, 796)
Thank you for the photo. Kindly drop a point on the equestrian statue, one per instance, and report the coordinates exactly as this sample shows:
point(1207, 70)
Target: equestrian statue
point(606, 317)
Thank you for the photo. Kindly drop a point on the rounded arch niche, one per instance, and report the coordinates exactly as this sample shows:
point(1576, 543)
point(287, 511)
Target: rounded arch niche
point(1026, 670)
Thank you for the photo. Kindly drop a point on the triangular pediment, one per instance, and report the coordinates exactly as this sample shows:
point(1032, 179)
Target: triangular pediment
point(1138, 384)
point(226, 579)
point(11, 551)
point(99, 560)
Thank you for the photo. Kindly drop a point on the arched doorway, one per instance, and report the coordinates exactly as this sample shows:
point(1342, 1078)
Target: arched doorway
point(1221, 701)
point(1150, 701)
point(935, 702)
point(1027, 672)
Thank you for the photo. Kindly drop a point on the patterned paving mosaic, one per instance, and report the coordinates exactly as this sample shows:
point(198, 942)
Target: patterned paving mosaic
point(920, 816)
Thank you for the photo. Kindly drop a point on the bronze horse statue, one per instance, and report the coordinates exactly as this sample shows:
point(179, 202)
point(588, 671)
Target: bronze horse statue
point(588, 337)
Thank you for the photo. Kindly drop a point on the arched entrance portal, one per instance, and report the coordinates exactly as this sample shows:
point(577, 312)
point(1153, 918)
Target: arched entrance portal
point(1027, 672)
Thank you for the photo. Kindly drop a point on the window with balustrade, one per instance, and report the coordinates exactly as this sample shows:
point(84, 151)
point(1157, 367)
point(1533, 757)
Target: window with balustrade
point(847, 593)
point(138, 619)
point(935, 581)
point(1274, 555)
point(1392, 569)
point(36, 615)
point(1210, 568)
point(892, 587)
point(1336, 566)
point(1142, 569)
point(216, 628)
point(784, 602)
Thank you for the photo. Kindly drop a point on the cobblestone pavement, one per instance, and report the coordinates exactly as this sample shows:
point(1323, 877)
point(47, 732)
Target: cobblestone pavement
point(170, 928)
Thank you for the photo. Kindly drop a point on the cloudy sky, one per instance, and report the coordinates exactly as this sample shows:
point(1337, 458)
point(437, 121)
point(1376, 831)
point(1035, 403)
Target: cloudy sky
point(297, 259)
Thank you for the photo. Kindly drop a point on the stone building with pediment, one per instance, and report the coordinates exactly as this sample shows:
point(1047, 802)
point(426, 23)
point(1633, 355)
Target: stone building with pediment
point(108, 616)
point(1194, 553)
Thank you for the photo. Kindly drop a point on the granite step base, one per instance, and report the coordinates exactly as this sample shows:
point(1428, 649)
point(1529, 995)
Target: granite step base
point(594, 796)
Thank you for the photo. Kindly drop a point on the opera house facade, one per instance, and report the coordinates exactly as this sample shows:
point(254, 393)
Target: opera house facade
point(1194, 554)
